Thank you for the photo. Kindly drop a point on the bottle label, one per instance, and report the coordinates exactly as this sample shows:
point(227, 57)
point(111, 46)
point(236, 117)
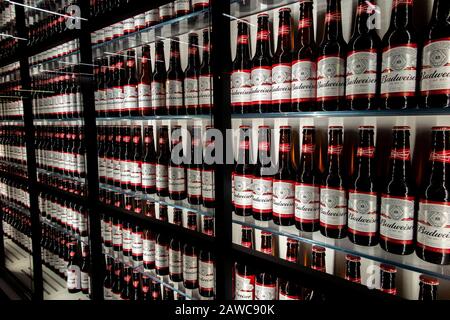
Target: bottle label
point(206, 275)
point(73, 277)
point(139, 21)
point(118, 98)
point(208, 187)
point(174, 96)
point(138, 247)
point(436, 67)
point(135, 173)
point(362, 213)
point(397, 219)
point(241, 88)
point(304, 79)
point(245, 287)
point(85, 283)
point(281, 83)
point(128, 25)
point(283, 198)
point(205, 91)
point(191, 93)
point(194, 185)
point(330, 78)
point(148, 249)
point(182, 6)
point(165, 11)
point(190, 268)
point(365, 152)
point(403, 154)
point(433, 226)
point(161, 177)
point(265, 291)
point(117, 236)
point(125, 171)
point(144, 96)
point(440, 156)
point(109, 104)
point(152, 17)
point(307, 203)
point(107, 293)
point(158, 95)
point(177, 179)
point(127, 241)
point(243, 191)
point(148, 175)
point(161, 256)
point(262, 195)
point(175, 262)
point(262, 85)
point(398, 77)
point(361, 74)
point(333, 208)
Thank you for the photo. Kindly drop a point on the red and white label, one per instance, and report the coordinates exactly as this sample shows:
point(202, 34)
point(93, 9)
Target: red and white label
point(243, 193)
point(433, 226)
point(361, 79)
point(194, 185)
point(262, 85)
point(307, 203)
point(135, 173)
point(399, 70)
point(181, 6)
point(208, 187)
point(283, 198)
point(177, 179)
point(175, 262)
point(362, 213)
point(330, 78)
point(440, 156)
point(304, 81)
point(265, 291)
point(144, 96)
point(205, 91)
point(262, 195)
point(365, 152)
point(281, 83)
point(436, 67)
point(161, 177)
point(241, 88)
point(174, 97)
point(148, 175)
point(401, 154)
point(190, 268)
point(191, 93)
point(333, 208)
point(244, 287)
point(148, 251)
point(161, 256)
point(137, 248)
point(151, 17)
point(206, 275)
point(127, 241)
point(158, 95)
point(397, 219)
point(166, 11)
point(73, 277)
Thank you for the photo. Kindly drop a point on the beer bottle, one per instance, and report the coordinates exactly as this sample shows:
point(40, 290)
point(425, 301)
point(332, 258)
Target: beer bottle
point(362, 196)
point(146, 292)
point(191, 76)
point(353, 268)
point(149, 162)
point(433, 234)
point(175, 261)
point(125, 156)
point(73, 270)
point(292, 250)
point(363, 63)
point(156, 290)
point(130, 88)
point(158, 81)
point(244, 282)
point(331, 61)
point(241, 85)
point(304, 66)
point(266, 242)
point(283, 182)
point(127, 240)
point(166, 12)
point(162, 255)
point(205, 80)
point(281, 64)
point(137, 244)
point(206, 278)
point(108, 282)
point(136, 289)
point(190, 267)
point(120, 82)
point(397, 200)
point(262, 179)
point(163, 159)
point(387, 279)
point(144, 86)
point(208, 174)
point(148, 250)
point(243, 175)
point(85, 270)
point(119, 132)
point(174, 82)
point(307, 186)
point(127, 291)
point(262, 68)
point(289, 290)
point(318, 259)
point(398, 75)
point(428, 288)
point(117, 237)
point(435, 85)
point(333, 196)
point(265, 286)
point(194, 169)
point(135, 164)
point(177, 172)
point(111, 74)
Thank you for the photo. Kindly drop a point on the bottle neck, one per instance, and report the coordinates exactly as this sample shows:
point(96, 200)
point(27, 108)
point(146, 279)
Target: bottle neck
point(306, 24)
point(263, 40)
point(243, 47)
point(160, 64)
point(284, 155)
point(333, 21)
point(284, 43)
point(244, 151)
point(402, 13)
point(362, 16)
point(194, 57)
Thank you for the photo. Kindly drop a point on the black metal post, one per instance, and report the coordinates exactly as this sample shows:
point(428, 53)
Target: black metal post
point(2, 243)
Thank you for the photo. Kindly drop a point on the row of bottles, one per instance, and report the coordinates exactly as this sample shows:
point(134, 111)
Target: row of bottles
point(123, 91)
point(65, 50)
point(367, 73)
point(16, 226)
point(12, 143)
point(11, 103)
point(14, 192)
point(8, 45)
point(393, 213)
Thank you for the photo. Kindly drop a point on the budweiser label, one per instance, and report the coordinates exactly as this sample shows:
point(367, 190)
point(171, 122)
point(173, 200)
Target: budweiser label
point(158, 95)
point(304, 77)
point(148, 251)
point(330, 78)
point(440, 156)
point(307, 203)
point(243, 191)
point(397, 219)
point(144, 96)
point(361, 74)
point(190, 268)
point(205, 90)
point(262, 195)
point(177, 179)
point(208, 188)
point(244, 287)
point(73, 277)
point(362, 213)
point(174, 97)
point(194, 185)
point(241, 88)
point(333, 208)
point(161, 177)
point(281, 83)
point(206, 275)
point(148, 175)
point(191, 92)
point(265, 291)
point(433, 226)
point(283, 199)
point(262, 85)
point(399, 71)
point(175, 262)
point(161, 256)
point(436, 67)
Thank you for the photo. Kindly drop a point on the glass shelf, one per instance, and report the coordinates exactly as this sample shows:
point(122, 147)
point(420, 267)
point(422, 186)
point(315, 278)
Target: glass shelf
point(409, 262)
point(174, 27)
point(54, 225)
point(44, 121)
point(12, 122)
point(165, 117)
point(245, 8)
point(61, 176)
point(13, 164)
point(179, 204)
point(21, 209)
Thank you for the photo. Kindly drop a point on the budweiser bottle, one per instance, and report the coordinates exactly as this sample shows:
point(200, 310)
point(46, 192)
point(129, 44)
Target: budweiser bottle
point(333, 196)
point(176, 171)
point(398, 77)
point(206, 279)
point(307, 186)
point(135, 163)
point(190, 266)
point(244, 282)
point(130, 89)
point(166, 12)
point(289, 290)
point(205, 80)
point(428, 288)
point(194, 169)
point(136, 286)
point(125, 156)
point(127, 240)
point(175, 261)
point(363, 62)
point(146, 292)
point(283, 183)
point(158, 83)
point(73, 270)
point(331, 61)
point(144, 86)
point(362, 196)
point(163, 159)
point(304, 67)
point(318, 259)
point(353, 268)
point(397, 200)
point(433, 232)
point(148, 250)
point(292, 250)
point(208, 174)
point(435, 85)
point(281, 64)
point(241, 85)
point(117, 236)
point(149, 162)
point(262, 179)
point(387, 279)
point(108, 282)
point(162, 255)
point(262, 68)
point(265, 286)
point(127, 291)
point(174, 82)
point(181, 7)
point(243, 175)
point(137, 244)
point(119, 83)
point(191, 75)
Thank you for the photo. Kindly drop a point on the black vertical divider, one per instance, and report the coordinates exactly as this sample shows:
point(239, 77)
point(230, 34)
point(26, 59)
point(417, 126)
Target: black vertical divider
point(87, 89)
point(221, 55)
point(38, 286)
point(2, 244)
